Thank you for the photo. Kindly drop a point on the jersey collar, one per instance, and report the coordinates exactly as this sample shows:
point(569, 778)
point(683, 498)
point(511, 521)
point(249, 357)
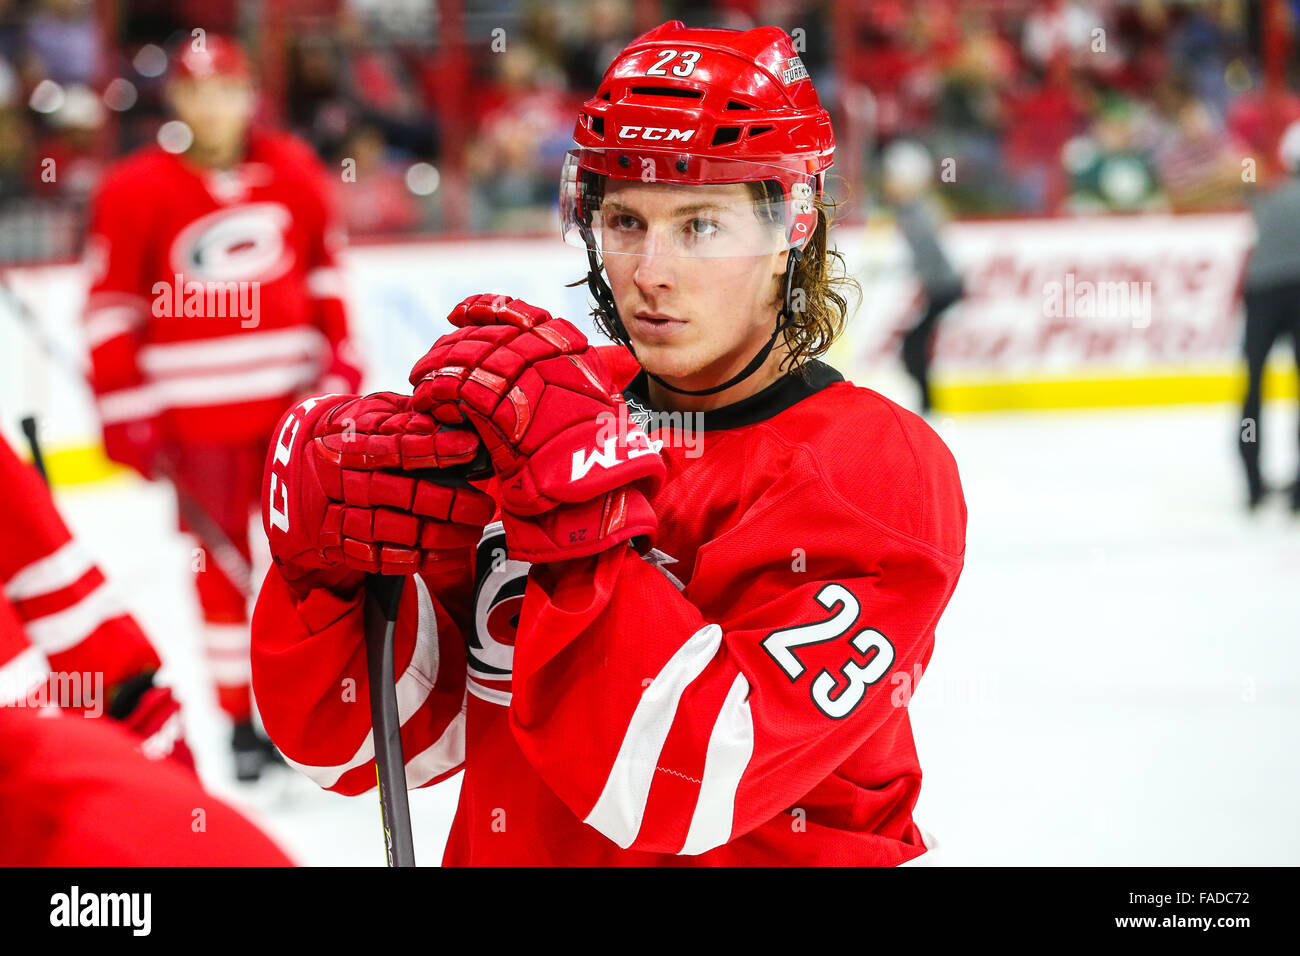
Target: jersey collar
point(790, 389)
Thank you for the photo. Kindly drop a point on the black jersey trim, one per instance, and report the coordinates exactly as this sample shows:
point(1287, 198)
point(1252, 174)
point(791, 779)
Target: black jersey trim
point(790, 389)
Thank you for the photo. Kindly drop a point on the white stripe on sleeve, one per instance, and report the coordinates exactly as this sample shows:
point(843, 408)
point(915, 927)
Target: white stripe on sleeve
point(57, 632)
point(621, 806)
point(731, 744)
point(445, 753)
point(413, 689)
point(64, 566)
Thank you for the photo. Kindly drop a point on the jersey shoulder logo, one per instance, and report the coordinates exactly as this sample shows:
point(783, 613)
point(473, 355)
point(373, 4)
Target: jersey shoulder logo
point(499, 584)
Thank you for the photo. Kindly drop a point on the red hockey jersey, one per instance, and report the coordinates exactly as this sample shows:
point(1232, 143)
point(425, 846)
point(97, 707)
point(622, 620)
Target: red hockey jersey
point(57, 612)
point(215, 295)
point(736, 696)
point(79, 793)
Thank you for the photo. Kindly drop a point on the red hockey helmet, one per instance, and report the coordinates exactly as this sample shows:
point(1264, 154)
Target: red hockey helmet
point(213, 55)
point(702, 106)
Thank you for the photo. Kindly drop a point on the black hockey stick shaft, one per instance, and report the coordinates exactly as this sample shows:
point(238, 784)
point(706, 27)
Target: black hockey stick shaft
point(29, 431)
point(383, 595)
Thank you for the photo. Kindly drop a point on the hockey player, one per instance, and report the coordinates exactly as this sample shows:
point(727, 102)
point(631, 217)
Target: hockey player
point(66, 640)
point(215, 303)
point(908, 182)
point(691, 635)
point(1271, 289)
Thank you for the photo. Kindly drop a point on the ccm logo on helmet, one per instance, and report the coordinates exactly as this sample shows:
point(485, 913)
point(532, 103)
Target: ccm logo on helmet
point(655, 132)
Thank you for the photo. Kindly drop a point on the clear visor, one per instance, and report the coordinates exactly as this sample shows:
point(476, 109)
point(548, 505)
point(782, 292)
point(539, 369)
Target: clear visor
point(657, 203)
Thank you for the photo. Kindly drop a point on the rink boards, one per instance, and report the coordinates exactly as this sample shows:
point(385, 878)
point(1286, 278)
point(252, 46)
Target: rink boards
point(1058, 313)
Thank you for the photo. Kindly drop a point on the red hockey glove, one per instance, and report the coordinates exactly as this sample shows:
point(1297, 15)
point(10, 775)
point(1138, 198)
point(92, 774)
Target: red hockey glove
point(133, 443)
point(153, 715)
point(349, 488)
point(574, 474)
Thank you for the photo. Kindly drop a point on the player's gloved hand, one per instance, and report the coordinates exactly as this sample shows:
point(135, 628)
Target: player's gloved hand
point(358, 484)
point(153, 714)
point(133, 443)
point(574, 474)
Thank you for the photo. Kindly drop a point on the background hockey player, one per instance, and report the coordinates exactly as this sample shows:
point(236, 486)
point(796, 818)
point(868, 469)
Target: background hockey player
point(909, 177)
point(215, 302)
point(1271, 290)
point(662, 652)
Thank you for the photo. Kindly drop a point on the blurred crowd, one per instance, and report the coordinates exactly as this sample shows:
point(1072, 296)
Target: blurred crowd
point(1057, 106)
point(1063, 106)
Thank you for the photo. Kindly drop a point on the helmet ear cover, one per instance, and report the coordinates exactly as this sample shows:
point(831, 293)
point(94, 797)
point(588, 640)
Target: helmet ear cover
point(800, 214)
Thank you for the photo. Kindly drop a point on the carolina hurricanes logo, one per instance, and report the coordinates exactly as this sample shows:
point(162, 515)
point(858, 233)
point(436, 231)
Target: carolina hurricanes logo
point(498, 596)
point(244, 243)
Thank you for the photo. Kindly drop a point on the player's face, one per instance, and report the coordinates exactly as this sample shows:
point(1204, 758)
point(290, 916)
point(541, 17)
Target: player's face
point(217, 109)
point(694, 320)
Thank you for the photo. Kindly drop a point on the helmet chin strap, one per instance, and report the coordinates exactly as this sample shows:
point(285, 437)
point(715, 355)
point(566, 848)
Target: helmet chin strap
point(605, 302)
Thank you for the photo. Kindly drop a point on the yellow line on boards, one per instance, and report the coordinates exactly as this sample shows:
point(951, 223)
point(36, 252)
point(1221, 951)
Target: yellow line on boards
point(80, 464)
point(954, 395)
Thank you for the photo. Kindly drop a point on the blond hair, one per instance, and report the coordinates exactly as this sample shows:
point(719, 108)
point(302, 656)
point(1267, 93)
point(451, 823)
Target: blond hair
point(822, 285)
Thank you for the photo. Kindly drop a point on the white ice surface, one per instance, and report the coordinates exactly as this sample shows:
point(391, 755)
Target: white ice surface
point(1116, 680)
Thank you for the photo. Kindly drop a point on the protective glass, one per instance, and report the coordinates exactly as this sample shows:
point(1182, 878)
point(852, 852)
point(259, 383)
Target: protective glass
point(644, 208)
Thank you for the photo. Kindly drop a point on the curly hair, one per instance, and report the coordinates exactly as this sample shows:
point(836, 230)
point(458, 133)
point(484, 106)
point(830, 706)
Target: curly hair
point(821, 288)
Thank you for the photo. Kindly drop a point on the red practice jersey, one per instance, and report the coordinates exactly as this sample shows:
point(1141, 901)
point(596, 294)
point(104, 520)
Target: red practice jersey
point(737, 695)
point(57, 612)
point(79, 793)
point(215, 295)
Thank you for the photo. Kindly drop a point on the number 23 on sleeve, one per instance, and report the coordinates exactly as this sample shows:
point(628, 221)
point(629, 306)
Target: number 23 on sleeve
point(855, 677)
